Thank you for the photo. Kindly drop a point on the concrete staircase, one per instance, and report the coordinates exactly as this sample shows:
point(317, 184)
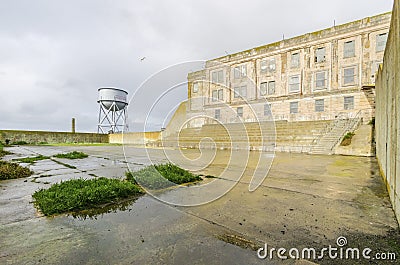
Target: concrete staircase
point(338, 129)
point(280, 136)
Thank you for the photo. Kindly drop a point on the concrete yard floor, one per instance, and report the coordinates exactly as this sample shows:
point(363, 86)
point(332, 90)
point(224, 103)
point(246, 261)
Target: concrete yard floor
point(305, 202)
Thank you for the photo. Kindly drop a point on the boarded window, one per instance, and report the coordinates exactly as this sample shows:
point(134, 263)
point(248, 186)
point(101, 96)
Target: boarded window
point(240, 92)
point(195, 87)
point(381, 40)
point(294, 83)
point(294, 107)
point(348, 103)
point(217, 114)
point(295, 60)
point(349, 49)
point(349, 76)
point(319, 105)
point(320, 80)
point(239, 111)
point(320, 55)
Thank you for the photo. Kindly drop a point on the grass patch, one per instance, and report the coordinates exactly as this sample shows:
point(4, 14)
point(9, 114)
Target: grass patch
point(80, 194)
point(72, 155)
point(347, 139)
point(161, 176)
point(19, 143)
point(31, 160)
point(13, 171)
point(3, 152)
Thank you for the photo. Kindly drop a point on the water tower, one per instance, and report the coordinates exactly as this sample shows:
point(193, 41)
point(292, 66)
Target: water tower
point(112, 114)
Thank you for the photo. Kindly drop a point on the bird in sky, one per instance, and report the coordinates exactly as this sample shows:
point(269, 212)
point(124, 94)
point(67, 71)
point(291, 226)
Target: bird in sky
point(142, 59)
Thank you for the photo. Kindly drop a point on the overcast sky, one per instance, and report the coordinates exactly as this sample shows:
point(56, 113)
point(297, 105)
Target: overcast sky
point(54, 55)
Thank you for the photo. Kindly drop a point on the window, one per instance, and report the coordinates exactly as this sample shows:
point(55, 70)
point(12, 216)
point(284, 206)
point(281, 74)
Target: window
point(267, 88)
point(295, 60)
point(217, 95)
point(195, 87)
point(349, 49)
point(267, 110)
point(381, 40)
point(320, 80)
point(294, 83)
point(240, 71)
point(217, 77)
point(294, 107)
point(319, 105)
point(320, 55)
point(217, 114)
point(240, 92)
point(268, 65)
point(239, 111)
point(348, 103)
point(349, 76)
point(263, 88)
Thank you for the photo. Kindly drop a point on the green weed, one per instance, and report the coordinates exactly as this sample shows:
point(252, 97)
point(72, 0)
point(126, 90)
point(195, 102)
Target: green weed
point(161, 176)
point(81, 194)
point(12, 171)
point(72, 155)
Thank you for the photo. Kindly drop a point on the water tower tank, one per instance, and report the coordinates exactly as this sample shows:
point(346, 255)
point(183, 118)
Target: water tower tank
point(109, 96)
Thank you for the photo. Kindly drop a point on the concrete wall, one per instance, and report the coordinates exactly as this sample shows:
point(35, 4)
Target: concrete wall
point(367, 55)
point(135, 138)
point(388, 112)
point(36, 137)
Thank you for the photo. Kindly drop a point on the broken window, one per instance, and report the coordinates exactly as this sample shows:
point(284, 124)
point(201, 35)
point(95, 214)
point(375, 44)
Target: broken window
point(320, 55)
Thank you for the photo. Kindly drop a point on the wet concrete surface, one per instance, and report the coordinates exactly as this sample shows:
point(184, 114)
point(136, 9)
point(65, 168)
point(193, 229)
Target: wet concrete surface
point(305, 201)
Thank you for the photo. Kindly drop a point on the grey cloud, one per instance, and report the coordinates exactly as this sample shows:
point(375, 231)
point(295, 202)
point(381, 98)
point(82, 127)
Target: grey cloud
point(55, 54)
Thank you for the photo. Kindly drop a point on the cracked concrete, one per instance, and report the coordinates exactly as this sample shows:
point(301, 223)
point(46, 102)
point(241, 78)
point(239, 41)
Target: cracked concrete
point(306, 201)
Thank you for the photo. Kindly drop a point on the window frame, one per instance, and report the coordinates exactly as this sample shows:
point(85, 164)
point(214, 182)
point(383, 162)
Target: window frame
point(217, 77)
point(240, 92)
point(317, 57)
point(347, 105)
point(295, 60)
point(290, 84)
point(195, 87)
point(316, 80)
point(319, 105)
point(219, 95)
point(349, 51)
point(378, 47)
point(217, 114)
point(239, 113)
point(292, 108)
point(355, 76)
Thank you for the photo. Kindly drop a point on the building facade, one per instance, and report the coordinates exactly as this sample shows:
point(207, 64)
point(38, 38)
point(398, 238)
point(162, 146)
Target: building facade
point(316, 76)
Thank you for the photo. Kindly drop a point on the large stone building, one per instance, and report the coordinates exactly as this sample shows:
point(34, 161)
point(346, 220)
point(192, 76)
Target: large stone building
point(316, 76)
